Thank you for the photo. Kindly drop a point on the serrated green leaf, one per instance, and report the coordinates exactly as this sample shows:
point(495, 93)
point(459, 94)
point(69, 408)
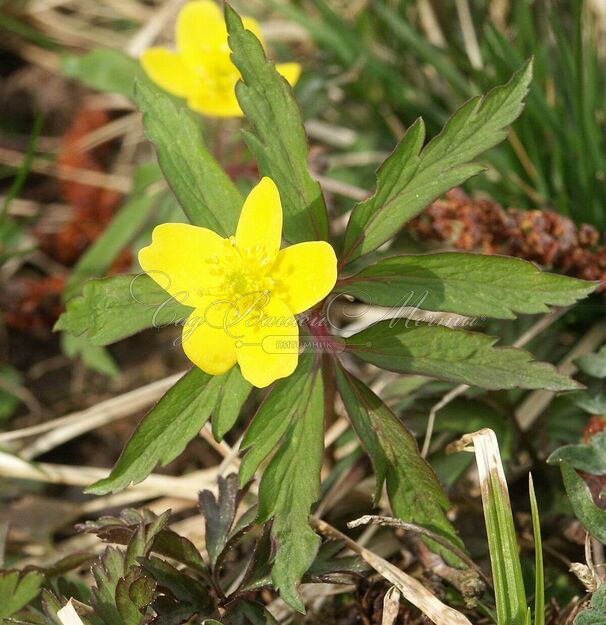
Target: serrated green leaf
point(235, 393)
point(289, 487)
point(590, 458)
point(467, 284)
point(413, 488)
point(592, 517)
point(207, 195)
point(273, 417)
point(113, 308)
point(453, 355)
point(17, 589)
point(412, 177)
point(277, 138)
point(164, 431)
point(593, 364)
point(105, 69)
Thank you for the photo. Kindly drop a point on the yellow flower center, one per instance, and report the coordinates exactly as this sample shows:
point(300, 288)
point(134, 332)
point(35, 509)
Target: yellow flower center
point(241, 277)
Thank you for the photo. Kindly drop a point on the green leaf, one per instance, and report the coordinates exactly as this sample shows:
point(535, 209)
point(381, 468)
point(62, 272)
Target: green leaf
point(592, 517)
point(94, 357)
point(99, 257)
point(274, 416)
point(510, 594)
point(184, 588)
point(207, 195)
point(235, 393)
point(289, 487)
point(134, 593)
point(593, 364)
point(593, 404)
point(8, 401)
point(413, 488)
point(17, 589)
point(453, 355)
point(113, 308)
point(413, 177)
point(277, 138)
point(539, 573)
point(105, 69)
point(590, 458)
point(244, 612)
point(595, 614)
point(164, 431)
point(468, 284)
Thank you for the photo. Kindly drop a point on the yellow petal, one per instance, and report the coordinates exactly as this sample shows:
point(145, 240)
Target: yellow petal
point(304, 274)
point(207, 343)
point(200, 29)
point(215, 106)
point(168, 70)
point(186, 261)
point(269, 349)
point(259, 231)
point(290, 71)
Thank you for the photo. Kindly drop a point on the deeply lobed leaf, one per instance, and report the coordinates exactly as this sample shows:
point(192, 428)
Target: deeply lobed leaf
point(412, 177)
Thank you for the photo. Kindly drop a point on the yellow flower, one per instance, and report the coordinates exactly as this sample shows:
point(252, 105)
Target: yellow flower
point(201, 69)
point(245, 289)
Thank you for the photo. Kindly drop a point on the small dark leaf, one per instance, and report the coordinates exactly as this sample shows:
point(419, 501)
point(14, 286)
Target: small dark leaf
point(181, 586)
point(219, 514)
point(244, 612)
point(328, 567)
